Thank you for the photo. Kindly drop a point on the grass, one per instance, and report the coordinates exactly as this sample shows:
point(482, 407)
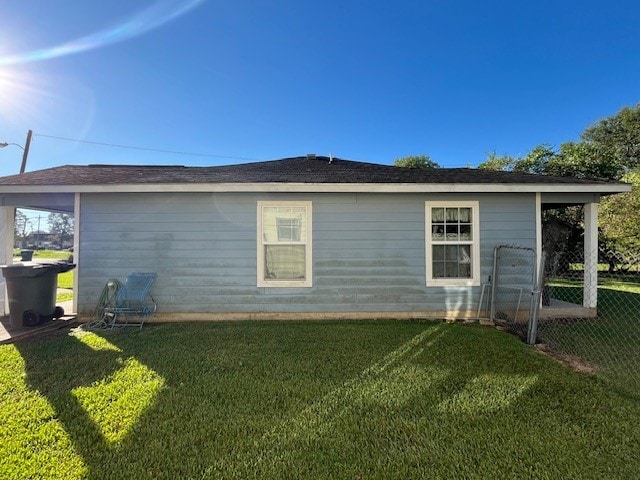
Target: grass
point(53, 254)
point(632, 267)
point(306, 400)
point(64, 297)
point(65, 280)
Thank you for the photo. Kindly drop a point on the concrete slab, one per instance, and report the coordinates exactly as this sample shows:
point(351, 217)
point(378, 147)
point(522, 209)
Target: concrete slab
point(9, 334)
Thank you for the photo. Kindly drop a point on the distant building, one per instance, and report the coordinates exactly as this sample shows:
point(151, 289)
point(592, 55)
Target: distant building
point(34, 240)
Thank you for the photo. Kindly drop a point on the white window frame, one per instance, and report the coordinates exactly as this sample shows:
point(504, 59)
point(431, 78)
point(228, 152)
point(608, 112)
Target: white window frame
point(308, 280)
point(475, 244)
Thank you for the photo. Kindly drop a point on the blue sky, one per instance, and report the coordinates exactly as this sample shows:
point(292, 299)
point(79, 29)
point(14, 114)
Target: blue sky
point(362, 80)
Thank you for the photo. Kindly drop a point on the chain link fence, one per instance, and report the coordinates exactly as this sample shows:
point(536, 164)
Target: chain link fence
point(604, 340)
point(556, 303)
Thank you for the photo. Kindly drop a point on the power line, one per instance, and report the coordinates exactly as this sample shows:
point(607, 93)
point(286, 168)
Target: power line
point(178, 152)
point(156, 150)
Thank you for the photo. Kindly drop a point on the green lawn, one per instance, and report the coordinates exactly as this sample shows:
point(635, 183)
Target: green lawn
point(306, 400)
point(64, 297)
point(53, 254)
point(65, 280)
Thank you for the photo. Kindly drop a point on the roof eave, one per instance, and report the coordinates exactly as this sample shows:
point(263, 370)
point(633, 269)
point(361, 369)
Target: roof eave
point(602, 188)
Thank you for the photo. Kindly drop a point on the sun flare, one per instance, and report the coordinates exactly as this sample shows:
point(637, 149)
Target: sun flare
point(19, 95)
point(143, 21)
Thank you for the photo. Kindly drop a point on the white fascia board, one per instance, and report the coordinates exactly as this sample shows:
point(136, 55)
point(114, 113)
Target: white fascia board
point(322, 188)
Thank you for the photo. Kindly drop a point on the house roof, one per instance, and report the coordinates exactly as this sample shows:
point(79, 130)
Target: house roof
point(322, 172)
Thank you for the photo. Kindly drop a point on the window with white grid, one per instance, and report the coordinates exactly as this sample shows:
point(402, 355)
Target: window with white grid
point(452, 243)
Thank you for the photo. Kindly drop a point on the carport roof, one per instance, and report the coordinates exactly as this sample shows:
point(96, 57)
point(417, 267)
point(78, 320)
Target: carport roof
point(301, 171)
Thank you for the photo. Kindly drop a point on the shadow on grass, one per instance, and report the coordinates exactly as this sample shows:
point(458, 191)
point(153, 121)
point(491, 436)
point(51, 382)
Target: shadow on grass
point(386, 400)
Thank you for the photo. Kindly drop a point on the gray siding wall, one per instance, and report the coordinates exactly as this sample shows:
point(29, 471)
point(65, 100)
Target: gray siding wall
point(368, 250)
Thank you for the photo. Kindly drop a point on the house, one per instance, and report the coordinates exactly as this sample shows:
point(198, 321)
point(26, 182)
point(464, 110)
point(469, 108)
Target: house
point(35, 240)
point(305, 237)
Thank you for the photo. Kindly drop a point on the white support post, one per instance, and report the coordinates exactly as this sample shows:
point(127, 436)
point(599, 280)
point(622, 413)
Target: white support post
point(76, 249)
point(590, 297)
point(7, 220)
point(538, 234)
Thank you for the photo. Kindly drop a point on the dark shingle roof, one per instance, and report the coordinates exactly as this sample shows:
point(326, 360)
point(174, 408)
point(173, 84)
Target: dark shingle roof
point(288, 170)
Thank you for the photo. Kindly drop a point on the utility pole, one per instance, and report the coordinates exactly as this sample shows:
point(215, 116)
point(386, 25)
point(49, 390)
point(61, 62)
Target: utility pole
point(25, 149)
point(25, 154)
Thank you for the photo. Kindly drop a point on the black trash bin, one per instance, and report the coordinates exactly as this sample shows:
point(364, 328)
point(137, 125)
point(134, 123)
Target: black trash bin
point(26, 255)
point(31, 291)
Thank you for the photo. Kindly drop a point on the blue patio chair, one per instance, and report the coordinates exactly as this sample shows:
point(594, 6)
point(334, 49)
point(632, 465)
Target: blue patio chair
point(132, 302)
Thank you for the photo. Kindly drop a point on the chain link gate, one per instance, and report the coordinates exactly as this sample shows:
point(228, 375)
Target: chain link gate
point(547, 303)
point(514, 290)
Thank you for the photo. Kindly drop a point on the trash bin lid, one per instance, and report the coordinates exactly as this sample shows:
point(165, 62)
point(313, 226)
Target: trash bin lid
point(35, 269)
point(22, 270)
point(65, 266)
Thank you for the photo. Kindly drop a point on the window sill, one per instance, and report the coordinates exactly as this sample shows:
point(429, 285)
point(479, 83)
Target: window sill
point(284, 284)
point(453, 282)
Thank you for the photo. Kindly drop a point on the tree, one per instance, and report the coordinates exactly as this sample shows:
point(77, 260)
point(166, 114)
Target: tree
point(577, 160)
point(61, 225)
point(608, 150)
point(536, 161)
point(617, 137)
point(503, 163)
point(415, 161)
point(620, 221)
point(585, 160)
point(20, 225)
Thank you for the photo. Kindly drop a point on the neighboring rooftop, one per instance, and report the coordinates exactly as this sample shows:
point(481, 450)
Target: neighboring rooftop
point(300, 170)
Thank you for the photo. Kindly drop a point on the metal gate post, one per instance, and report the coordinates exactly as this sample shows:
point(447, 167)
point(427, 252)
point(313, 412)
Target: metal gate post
point(532, 333)
point(494, 282)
